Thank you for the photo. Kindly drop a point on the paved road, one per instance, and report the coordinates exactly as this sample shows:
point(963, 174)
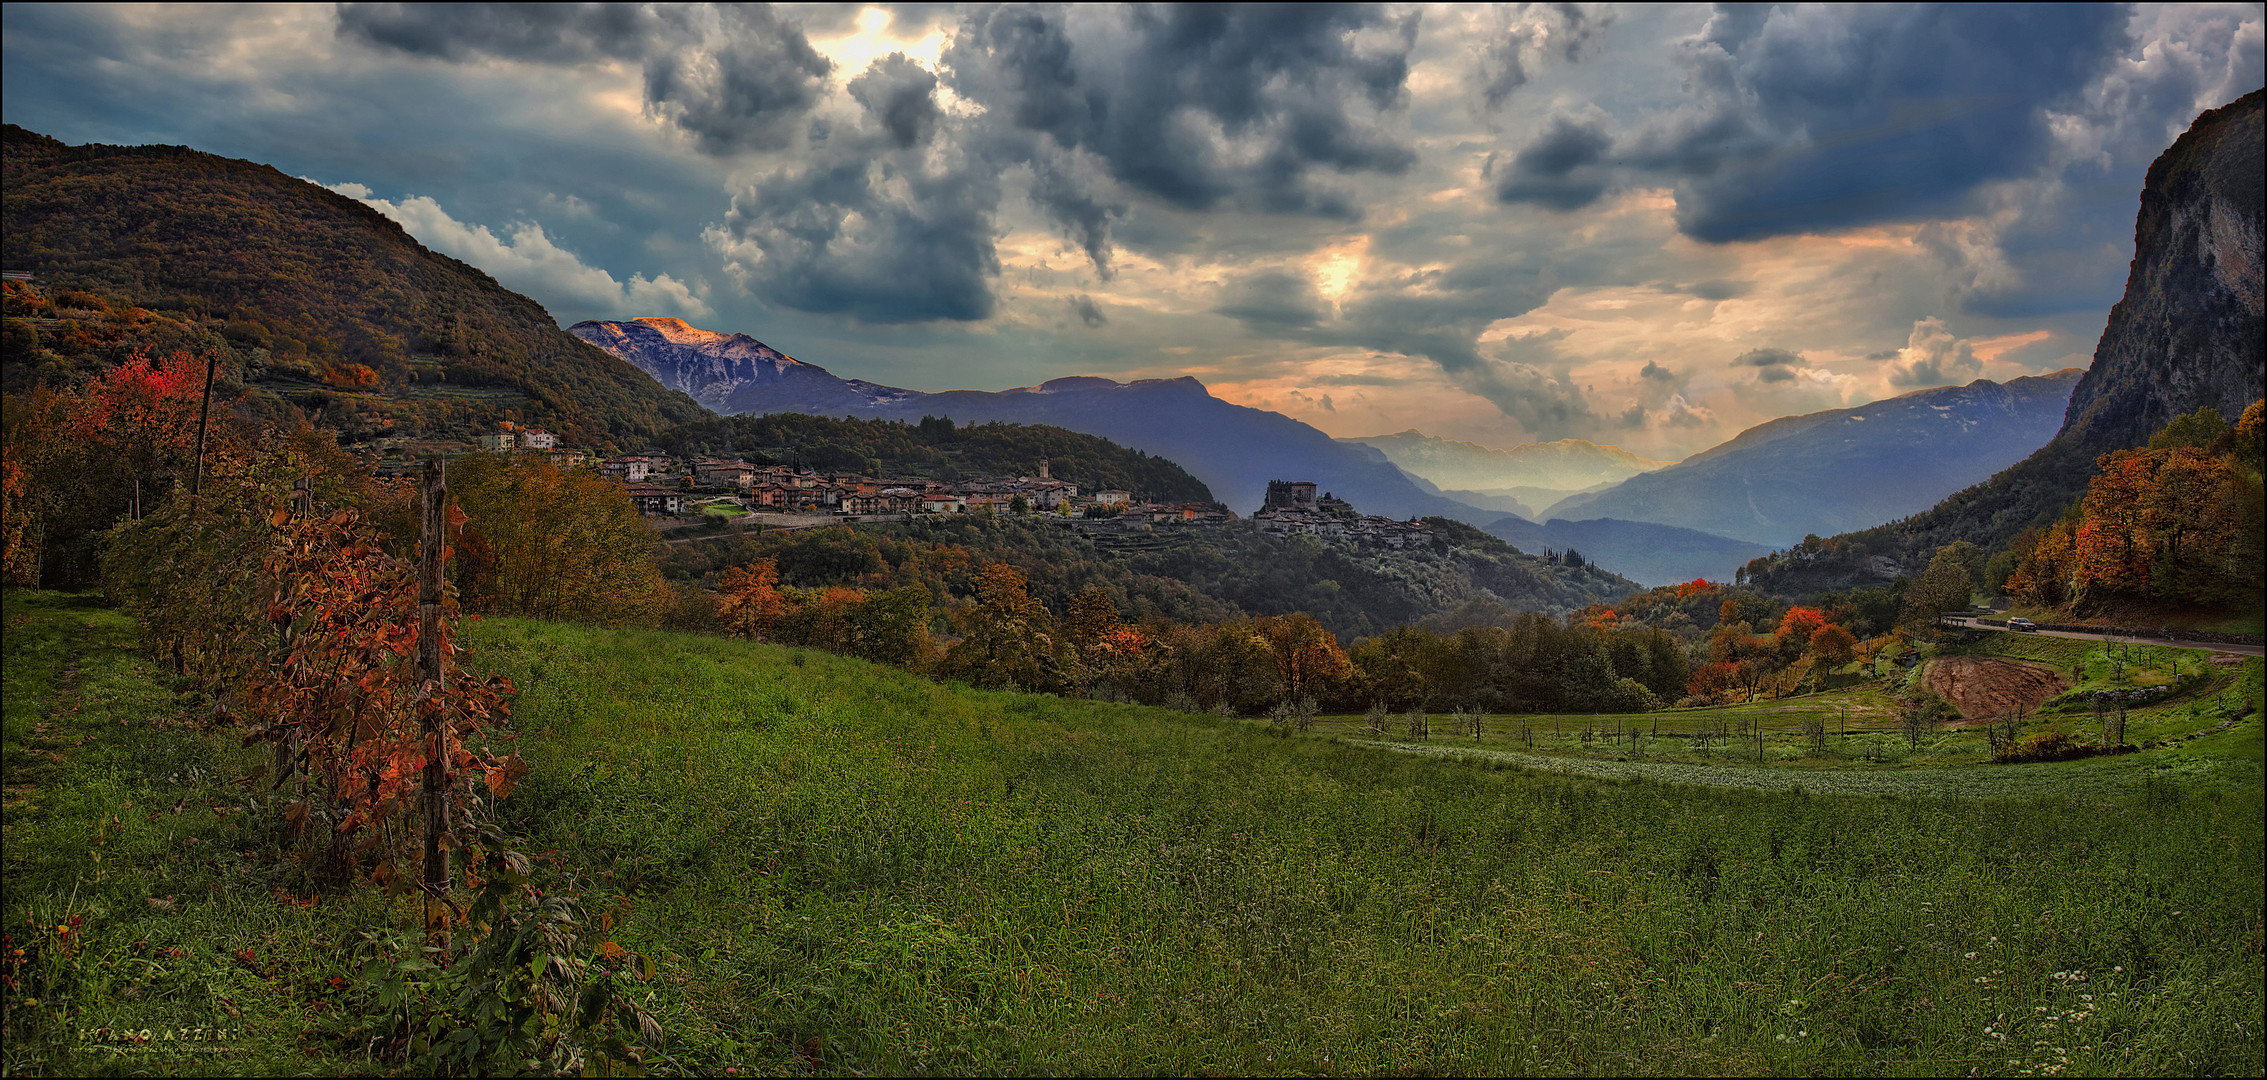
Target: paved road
point(2240, 650)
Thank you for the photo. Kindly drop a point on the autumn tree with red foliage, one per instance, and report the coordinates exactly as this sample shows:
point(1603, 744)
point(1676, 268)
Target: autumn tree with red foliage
point(19, 531)
point(2176, 523)
point(274, 594)
point(1795, 630)
point(1833, 644)
point(88, 452)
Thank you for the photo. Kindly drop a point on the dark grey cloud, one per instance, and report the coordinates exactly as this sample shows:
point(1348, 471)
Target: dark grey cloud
point(1830, 117)
point(1355, 380)
point(1560, 169)
point(901, 95)
point(1772, 365)
point(1437, 315)
point(1197, 106)
point(886, 221)
point(1537, 31)
point(1718, 290)
point(1547, 407)
point(1764, 358)
point(735, 78)
point(1274, 301)
point(1083, 306)
point(560, 33)
point(1656, 373)
point(1076, 203)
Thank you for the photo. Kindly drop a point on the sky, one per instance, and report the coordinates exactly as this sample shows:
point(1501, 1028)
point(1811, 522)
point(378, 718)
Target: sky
point(1646, 226)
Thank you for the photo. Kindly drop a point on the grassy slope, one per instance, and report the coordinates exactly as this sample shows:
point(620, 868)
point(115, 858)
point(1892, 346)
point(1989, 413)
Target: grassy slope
point(923, 878)
point(1865, 753)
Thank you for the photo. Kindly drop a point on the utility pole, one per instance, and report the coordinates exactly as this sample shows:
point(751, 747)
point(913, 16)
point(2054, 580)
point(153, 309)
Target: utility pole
point(431, 546)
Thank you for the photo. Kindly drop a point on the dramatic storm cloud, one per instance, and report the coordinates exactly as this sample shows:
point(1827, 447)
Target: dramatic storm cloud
point(1652, 226)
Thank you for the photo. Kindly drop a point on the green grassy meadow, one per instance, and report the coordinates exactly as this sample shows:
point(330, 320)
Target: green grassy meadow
point(848, 869)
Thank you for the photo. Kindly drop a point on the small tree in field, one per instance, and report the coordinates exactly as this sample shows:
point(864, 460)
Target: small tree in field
point(1470, 722)
point(1814, 730)
point(1375, 720)
point(1420, 726)
point(1915, 721)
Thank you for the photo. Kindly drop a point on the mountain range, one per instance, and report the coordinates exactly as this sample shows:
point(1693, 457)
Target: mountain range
point(1235, 450)
point(1642, 551)
point(1842, 469)
point(1771, 485)
point(321, 307)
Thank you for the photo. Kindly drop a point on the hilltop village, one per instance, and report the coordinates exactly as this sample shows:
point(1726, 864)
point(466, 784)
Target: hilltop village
point(665, 486)
point(662, 485)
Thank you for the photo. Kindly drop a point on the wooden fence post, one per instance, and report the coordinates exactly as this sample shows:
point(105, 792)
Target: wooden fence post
point(204, 413)
point(432, 534)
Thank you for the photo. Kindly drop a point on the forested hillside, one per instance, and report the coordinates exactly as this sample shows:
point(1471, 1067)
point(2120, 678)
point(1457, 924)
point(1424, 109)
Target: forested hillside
point(937, 449)
point(1183, 575)
point(311, 295)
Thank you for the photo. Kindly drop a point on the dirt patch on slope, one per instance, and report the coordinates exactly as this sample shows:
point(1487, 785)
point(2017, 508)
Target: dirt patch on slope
point(1983, 688)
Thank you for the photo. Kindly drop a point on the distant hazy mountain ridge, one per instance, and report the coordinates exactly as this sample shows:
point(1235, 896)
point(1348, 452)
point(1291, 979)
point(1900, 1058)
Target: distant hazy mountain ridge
point(1843, 469)
point(1648, 553)
point(1565, 465)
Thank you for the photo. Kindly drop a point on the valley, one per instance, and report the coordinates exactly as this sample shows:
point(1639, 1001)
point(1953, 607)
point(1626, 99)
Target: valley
point(408, 674)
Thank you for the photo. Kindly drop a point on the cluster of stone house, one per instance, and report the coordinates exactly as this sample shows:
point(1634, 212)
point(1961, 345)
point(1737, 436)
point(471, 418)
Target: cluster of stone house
point(781, 489)
point(1293, 507)
point(522, 439)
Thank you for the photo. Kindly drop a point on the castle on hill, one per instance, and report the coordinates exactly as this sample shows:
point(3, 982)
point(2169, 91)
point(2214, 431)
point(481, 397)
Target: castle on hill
point(1293, 507)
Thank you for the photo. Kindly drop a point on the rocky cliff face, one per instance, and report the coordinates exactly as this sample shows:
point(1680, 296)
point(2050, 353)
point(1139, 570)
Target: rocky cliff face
point(2192, 328)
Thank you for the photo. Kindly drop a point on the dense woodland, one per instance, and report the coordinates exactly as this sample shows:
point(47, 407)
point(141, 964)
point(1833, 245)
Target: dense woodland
point(2179, 522)
point(1179, 574)
point(937, 449)
point(309, 296)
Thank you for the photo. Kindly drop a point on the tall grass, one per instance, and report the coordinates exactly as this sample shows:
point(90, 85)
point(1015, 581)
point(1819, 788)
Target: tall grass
point(848, 869)
point(926, 878)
